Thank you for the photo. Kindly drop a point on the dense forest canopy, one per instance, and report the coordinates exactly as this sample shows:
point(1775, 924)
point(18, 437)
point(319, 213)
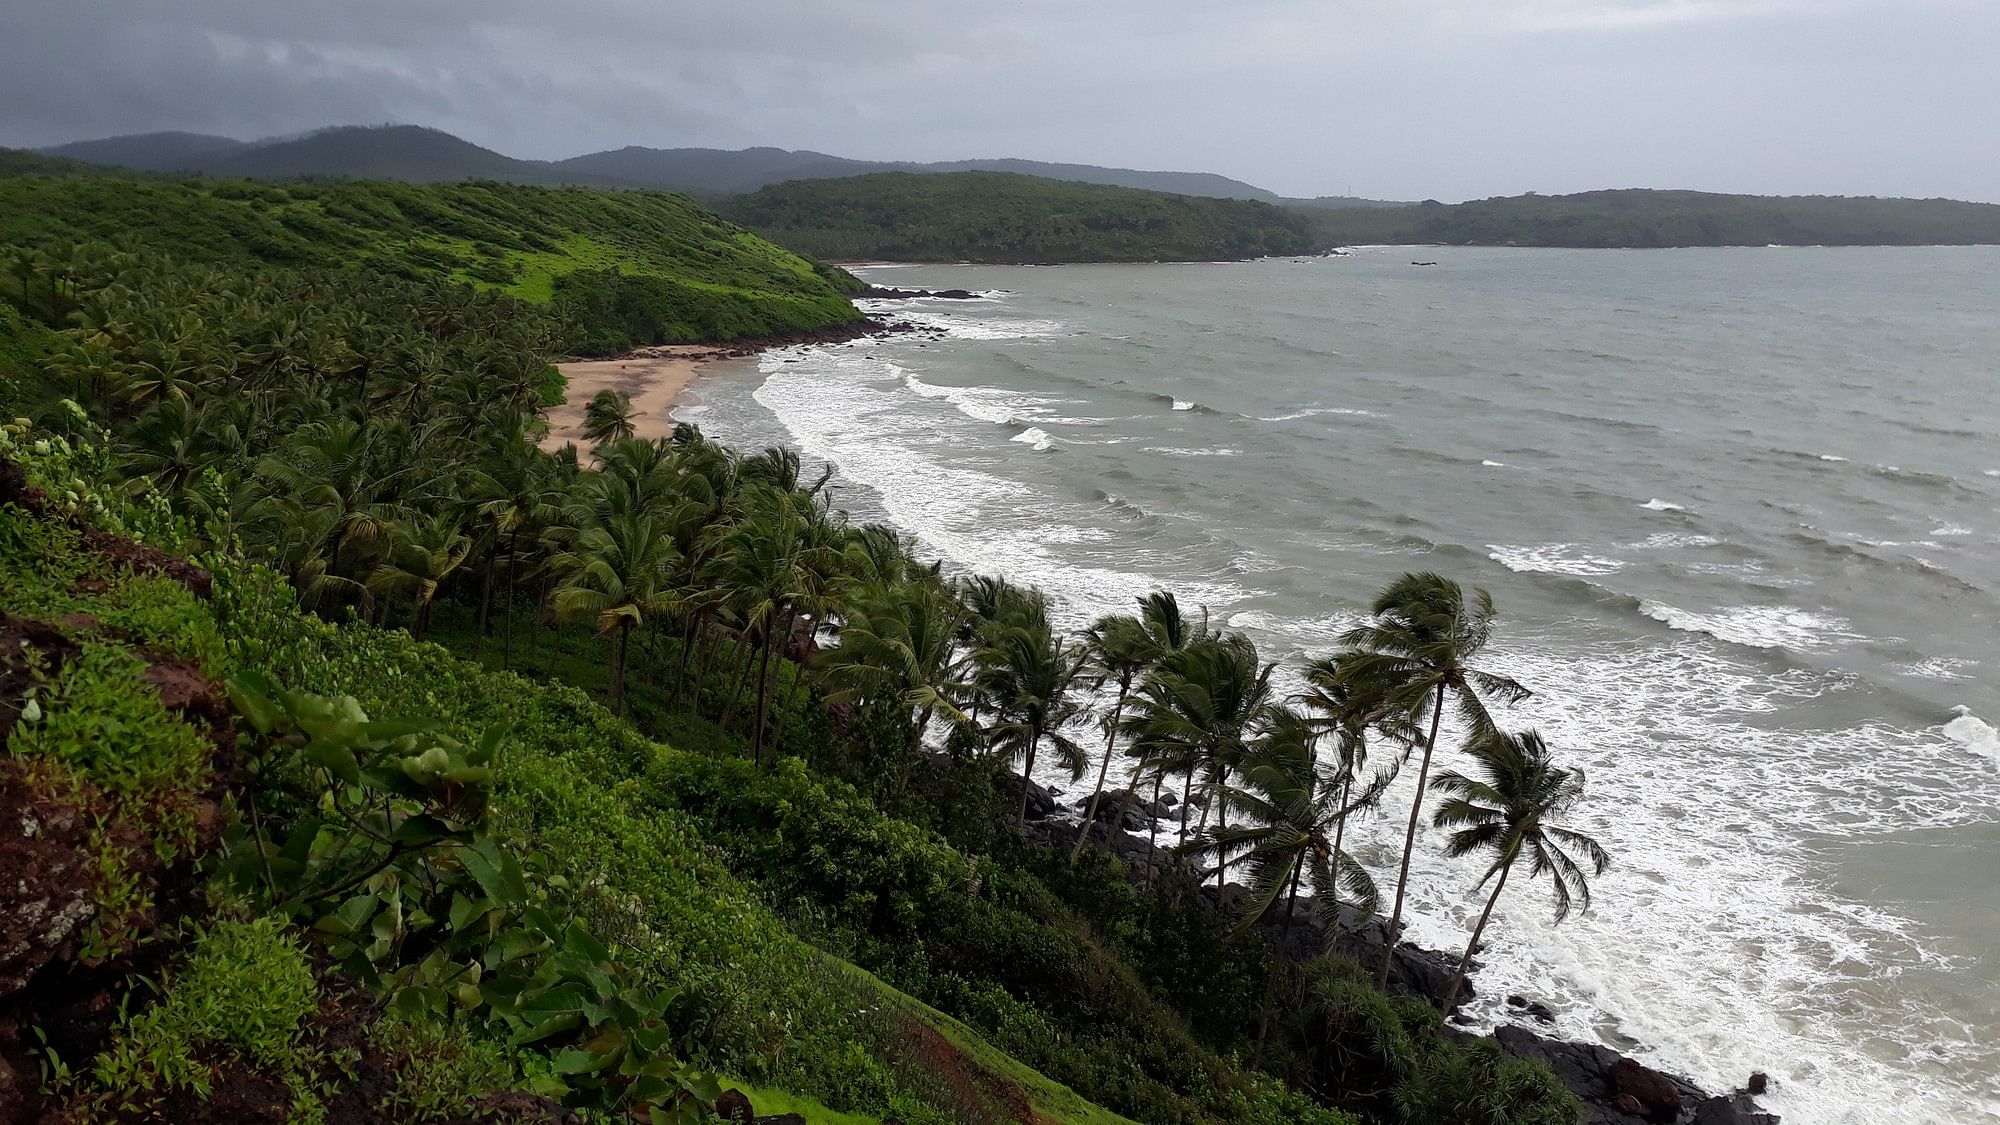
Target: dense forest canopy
point(633, 267)
point(1653, 219)
point(1003, 217)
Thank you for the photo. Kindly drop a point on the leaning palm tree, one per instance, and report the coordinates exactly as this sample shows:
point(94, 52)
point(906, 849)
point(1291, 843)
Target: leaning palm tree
point(899, 640)
point(1122, 647)
point(1029, 673)
point(1292, 817)
point(609, 416)
point(1417, 651)
point(1511, 813)
point(1197, 713)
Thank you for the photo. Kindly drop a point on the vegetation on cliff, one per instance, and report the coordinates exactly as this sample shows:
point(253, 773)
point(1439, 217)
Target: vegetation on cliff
point(1003, 217)
point(623, 267)
point(1652, 219)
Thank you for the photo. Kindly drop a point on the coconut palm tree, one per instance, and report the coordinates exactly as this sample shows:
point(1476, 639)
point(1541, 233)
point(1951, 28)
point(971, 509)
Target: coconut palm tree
point(617, 569)
point(1511, 812)
point(609, 416)
point(1417, 652)
point(1198, 711)
point(1028, 673)
point(899, 640)
point(1121, 647)
point(1292, 816)
point(422, 554)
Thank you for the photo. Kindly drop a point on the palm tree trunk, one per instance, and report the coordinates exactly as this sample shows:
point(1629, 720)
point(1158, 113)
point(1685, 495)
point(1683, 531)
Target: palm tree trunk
point(1027, 774)
point(763, 699)
point(513, 573)
point(1410, 842)
point(1153, 837)
point(617, 686)
point(1187, 796)
point(1339, 830)
point(1221, 825)
point(1465, 962)
point(764, 683)
point(1110, 744)
point(1125, 803)
point(485, 603)
point(688, 637)
point(746, 656)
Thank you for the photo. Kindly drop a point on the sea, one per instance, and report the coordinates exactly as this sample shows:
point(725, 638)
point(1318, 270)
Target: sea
point(1740, 512)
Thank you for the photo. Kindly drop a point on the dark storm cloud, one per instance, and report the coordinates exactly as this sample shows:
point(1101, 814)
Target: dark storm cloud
point(1404, 98)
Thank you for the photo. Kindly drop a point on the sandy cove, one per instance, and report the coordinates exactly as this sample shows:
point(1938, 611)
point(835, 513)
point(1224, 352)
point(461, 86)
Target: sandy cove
point(653, 377)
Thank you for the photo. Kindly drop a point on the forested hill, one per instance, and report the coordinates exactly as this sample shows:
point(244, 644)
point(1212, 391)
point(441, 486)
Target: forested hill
point(633, 267)
point(1640, 218)
point(1002, 217)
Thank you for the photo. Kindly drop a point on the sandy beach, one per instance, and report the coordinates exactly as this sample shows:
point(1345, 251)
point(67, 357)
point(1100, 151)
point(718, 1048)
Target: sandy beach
point(652, 376)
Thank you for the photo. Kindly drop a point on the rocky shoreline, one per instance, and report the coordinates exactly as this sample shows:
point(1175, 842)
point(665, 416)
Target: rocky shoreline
point(1615, 1089)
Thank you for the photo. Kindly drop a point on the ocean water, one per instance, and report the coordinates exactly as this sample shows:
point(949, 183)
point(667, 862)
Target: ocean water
point(1739, 510)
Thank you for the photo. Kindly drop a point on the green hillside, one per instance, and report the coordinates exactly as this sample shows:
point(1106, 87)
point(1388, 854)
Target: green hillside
point(1002, 217)
point(463, 776)
point(631, 267)
point(1653, 219)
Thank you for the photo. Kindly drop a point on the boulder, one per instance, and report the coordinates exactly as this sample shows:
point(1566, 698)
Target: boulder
point(1041, 803)
point(1533, 1009)
point(1655, 1093)
point(734, 1107)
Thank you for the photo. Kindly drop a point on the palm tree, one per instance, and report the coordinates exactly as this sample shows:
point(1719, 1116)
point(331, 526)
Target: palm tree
point(609, 416)
point(1121, 647)
point(616, 570)
point(1197, 712)
point(1028, 673)
point(1416, 651)
point(1509, 813)
point(900, 640)
point(421, 556)
point(1293, 816)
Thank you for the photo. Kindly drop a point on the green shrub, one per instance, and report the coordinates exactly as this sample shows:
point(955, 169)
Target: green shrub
point(241, 997)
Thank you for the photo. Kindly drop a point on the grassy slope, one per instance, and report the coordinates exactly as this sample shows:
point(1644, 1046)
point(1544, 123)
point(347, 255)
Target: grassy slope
point(779, 1011)
point(497, 235)
point(1001, 217)
point(1639, 218)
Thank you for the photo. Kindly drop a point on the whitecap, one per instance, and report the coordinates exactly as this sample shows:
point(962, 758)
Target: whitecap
point(1553, 558)
point(1492, 464)
point(1183, 404)
point(1175, 451)
point(1950, 531)
point(1310, 412)
point(1831, 457)
point(1993, 472)
point(1973, 732)
point(1670, 539)
point(1658, 505)
point(1035, 436)
point(1757, 626)
point(1940, 668)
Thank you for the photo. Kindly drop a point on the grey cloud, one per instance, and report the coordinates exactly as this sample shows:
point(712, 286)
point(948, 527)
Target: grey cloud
point(1402, 98)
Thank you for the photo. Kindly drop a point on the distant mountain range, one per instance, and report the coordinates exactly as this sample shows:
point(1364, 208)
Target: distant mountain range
point(414, 153)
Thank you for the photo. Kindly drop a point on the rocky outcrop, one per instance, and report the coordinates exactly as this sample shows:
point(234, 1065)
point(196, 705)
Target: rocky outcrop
point(1617, 1090)
point(887, 292)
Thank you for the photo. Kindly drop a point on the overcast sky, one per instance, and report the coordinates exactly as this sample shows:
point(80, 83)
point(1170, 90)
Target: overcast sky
point(1448, 99)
